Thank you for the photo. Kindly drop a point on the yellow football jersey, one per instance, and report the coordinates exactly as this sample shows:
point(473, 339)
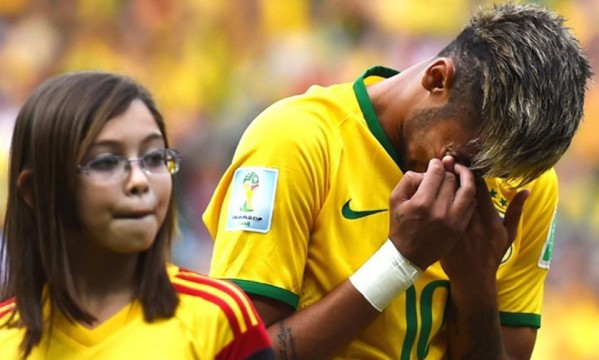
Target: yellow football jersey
point(214, 320)
point(317, 170)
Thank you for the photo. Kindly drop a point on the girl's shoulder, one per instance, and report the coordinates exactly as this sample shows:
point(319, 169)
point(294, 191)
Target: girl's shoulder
point(203, 296)
point(7, 308)
point(218, 315)
point(10, 333)
point(198, 285)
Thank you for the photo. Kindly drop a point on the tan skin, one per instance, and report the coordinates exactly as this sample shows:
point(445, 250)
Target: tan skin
point(426, 206)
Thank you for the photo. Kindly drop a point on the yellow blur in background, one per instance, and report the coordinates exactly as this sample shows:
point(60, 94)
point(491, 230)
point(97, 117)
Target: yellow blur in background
point(213, 65)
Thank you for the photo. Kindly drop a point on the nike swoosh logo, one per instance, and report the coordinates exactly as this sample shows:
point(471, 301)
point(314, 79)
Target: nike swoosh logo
point(350, 214)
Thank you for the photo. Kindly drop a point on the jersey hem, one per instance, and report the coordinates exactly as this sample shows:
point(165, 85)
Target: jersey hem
point(520, 319)
point(268, 291)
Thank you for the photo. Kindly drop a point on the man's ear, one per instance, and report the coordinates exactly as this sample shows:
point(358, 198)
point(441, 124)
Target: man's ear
point(25, 187)
point(438, 75)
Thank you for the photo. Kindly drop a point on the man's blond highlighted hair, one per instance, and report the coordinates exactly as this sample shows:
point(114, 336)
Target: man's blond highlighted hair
point(522, 75)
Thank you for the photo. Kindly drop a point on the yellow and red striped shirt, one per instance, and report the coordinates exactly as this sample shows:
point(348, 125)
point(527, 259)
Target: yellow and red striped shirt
point(214, 320)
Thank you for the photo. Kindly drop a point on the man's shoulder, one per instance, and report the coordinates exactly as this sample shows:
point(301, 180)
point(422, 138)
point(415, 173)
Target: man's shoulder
point(548, 178)
point(544, 188)
point(547, 181)
point(306, 121)
point(317, 99)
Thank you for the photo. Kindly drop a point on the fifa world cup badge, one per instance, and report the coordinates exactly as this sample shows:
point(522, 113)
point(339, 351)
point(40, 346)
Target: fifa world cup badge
point(252, 199)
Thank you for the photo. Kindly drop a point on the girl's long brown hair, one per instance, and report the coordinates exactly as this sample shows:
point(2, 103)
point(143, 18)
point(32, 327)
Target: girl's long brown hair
point(53, 130)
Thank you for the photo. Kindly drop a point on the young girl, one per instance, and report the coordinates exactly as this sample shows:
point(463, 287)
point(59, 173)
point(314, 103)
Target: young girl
point(89, 223)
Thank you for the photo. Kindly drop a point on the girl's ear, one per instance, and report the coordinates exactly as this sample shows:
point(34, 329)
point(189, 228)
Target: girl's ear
point(25, 188)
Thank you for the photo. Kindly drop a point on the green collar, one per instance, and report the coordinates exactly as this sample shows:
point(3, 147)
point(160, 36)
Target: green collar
point(368, 111)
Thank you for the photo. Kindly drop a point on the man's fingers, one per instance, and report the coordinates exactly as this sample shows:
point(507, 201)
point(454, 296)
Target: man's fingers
point(448, 188)
point(463, 202)
point(484, 203)
point(431, 183)
point(513, 214)
point(448, 162)
point(407, 186)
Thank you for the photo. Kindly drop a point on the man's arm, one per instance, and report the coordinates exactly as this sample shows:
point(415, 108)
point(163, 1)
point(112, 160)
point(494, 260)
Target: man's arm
point(519, 341)
point(478, 323)
point(427, 216)
point(319, 330)
point(474, 330)
point(288, 330)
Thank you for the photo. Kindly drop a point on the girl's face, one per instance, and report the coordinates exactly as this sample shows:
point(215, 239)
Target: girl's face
point(122, 210)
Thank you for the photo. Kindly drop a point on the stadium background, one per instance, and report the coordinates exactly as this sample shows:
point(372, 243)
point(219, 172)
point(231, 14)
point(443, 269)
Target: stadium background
point(213, 65)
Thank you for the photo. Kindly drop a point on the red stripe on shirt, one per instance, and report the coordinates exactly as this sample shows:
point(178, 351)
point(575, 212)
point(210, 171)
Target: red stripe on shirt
point(252, 341)
point(215, 300)
point(218, 284)
point(7, 303)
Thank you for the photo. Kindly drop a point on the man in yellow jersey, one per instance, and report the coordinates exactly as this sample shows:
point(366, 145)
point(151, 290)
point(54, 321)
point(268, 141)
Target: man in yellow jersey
point(409, 215)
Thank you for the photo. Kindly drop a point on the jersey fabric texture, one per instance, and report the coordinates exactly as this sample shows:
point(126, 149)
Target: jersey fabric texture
point(336, 169)
point(214, 320)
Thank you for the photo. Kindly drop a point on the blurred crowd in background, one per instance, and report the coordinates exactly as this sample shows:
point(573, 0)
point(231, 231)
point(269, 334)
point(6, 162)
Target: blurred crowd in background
point(214, 65)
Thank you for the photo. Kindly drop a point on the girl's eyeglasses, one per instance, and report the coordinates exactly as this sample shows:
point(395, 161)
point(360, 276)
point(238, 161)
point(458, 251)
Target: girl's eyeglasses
point(106, 168)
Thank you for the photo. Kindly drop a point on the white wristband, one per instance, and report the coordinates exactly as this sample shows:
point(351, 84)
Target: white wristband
point(384, 276)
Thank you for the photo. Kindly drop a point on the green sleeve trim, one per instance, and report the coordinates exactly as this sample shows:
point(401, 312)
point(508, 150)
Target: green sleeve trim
point(269, 291)
point(520, 319)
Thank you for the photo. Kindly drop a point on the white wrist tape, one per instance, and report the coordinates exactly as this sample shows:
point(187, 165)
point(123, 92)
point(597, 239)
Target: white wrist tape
point(384, 276)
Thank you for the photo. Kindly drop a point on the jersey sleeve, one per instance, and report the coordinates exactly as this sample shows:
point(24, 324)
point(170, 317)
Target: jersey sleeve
point(521, 279)
point(264, 249)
